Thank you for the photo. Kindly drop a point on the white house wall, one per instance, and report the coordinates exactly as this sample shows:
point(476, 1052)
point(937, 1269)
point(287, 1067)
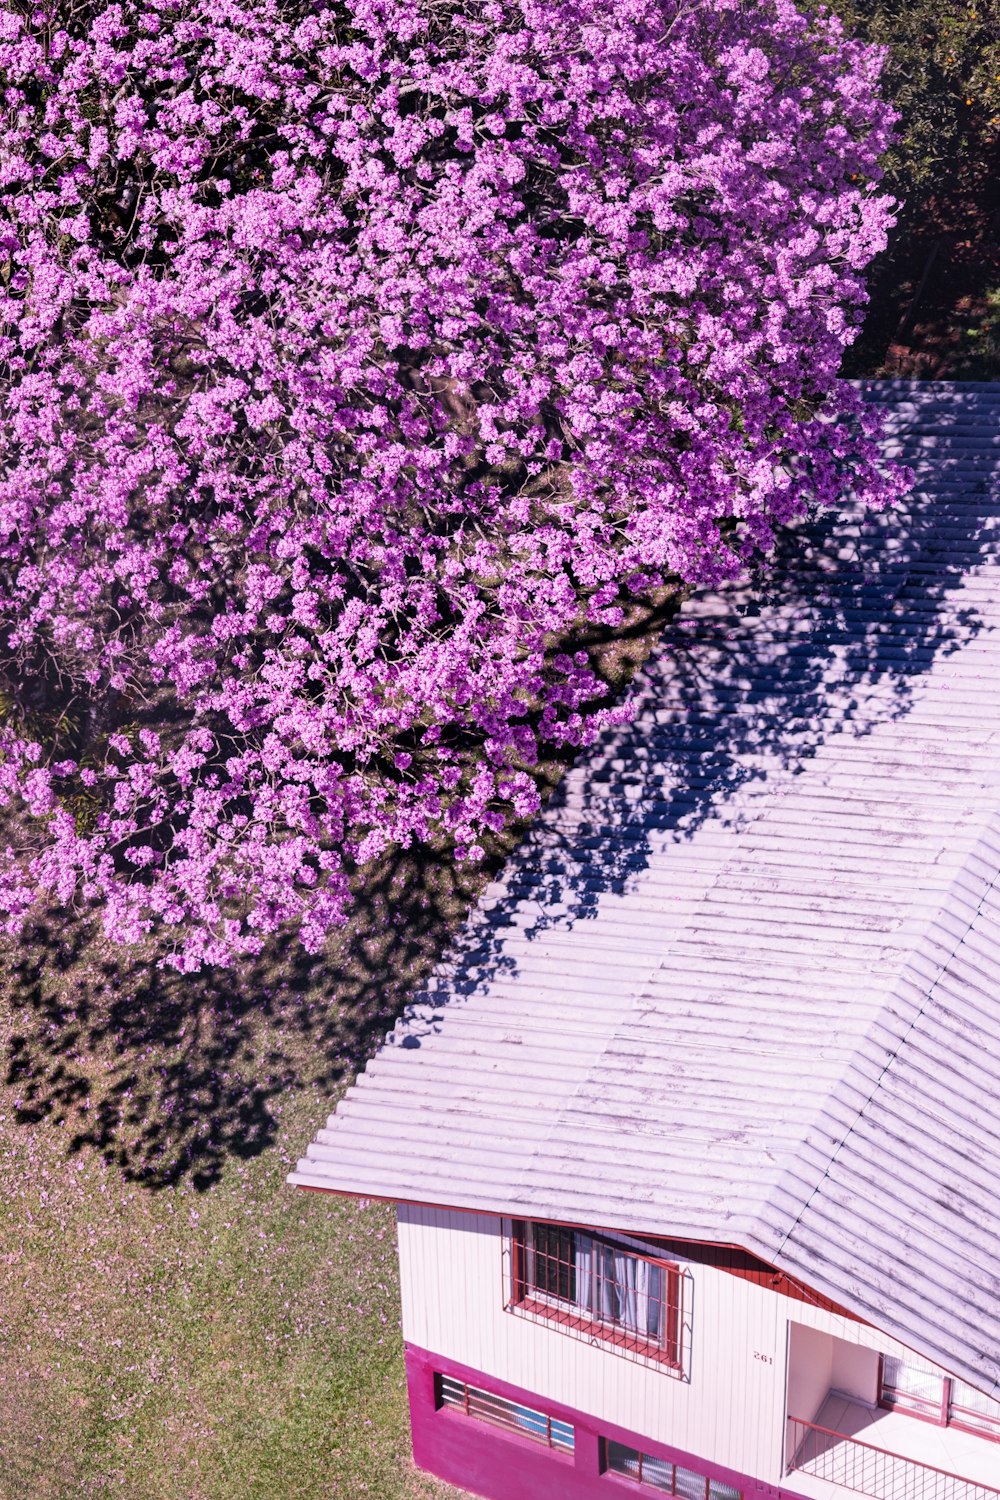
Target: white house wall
point(729, 1409)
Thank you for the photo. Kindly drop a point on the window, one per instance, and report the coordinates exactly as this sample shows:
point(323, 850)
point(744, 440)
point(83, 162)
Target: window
point(971, 1410)
point(596, 1288)
point(921, 1391)
point(911, 1387)
point(665, 1477)
point(483, 1406)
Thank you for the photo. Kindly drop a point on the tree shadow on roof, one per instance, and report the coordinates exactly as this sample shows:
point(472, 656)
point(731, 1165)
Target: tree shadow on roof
point(830, 643)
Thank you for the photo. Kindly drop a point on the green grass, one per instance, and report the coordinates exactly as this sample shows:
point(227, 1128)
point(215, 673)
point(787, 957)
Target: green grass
point(176, 1323)
point(241, 1341)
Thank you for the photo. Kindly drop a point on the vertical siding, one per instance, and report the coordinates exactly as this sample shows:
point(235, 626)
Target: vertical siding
point(730, 1408)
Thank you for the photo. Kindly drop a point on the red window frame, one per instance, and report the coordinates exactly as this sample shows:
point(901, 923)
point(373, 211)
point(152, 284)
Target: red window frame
point(638, 1478)
point(562, 1312)
point(944, 1414)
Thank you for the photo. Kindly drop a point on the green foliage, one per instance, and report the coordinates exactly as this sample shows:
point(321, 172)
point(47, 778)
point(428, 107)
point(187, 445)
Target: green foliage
point(943, 73)
point(982, 342)
point(928, 315)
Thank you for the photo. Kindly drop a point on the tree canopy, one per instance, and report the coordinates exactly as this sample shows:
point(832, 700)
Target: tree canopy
point(934, 291)
point(942, 71)
point(353, 358)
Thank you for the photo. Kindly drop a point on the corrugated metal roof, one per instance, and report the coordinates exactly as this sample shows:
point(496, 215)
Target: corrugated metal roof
point(742, 982)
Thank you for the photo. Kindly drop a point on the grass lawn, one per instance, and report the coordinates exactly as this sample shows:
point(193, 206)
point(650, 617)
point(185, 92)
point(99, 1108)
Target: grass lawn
point(176, 1323)
point(229, 1343)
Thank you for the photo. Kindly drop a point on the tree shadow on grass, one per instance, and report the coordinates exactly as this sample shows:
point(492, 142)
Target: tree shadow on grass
point(167, 1075)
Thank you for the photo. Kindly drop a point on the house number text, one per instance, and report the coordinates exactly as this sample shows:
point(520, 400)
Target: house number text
point(765, 1359)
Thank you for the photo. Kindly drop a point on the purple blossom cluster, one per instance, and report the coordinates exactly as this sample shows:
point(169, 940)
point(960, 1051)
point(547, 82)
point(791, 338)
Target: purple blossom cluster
point(356, 360)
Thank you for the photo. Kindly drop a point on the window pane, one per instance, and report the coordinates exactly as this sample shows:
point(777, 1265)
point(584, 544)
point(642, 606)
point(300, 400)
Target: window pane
point(552, 1267)
point(562, 1436)
point(719, 1491)
point(531, 1422)
point(912, 1386)
point(484, 1406)
point(689, 1485)
point(969, 1399)
point(622, 1460)
point(490, 1408)
point(912, 1379)
point(452, 1391)
point(658, 1473)
point(972, 1408)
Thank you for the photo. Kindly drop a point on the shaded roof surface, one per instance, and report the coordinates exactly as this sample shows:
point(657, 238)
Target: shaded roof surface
point(742, 981)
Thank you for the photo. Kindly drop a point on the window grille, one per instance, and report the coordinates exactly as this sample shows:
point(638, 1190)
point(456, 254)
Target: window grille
point(665, 1477)
point(920, 1391)
point(597, 1289)
point(484, 1406)
point(971, 1410)
point(911, 1387)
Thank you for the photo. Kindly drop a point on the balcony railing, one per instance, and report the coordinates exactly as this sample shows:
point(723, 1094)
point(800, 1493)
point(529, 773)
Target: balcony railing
point(874, 1471)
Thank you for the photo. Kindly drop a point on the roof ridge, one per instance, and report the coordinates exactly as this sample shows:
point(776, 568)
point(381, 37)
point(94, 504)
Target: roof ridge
point(981, 845)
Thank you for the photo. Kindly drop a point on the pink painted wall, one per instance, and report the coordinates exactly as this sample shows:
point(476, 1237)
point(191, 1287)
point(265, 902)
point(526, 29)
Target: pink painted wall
point(855, 1371)
point(810, 1370)
point(503, 1466)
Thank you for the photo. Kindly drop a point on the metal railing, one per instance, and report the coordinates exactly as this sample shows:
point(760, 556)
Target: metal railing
point(487, 1406)
point(874, 1471)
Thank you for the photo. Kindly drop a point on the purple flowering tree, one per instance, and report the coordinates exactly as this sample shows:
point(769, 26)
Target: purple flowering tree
point(354, 357)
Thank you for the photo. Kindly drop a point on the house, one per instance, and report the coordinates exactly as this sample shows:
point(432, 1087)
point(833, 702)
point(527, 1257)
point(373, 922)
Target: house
point(696, 1135)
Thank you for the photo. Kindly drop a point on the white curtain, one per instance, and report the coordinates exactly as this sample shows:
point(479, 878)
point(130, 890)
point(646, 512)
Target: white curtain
point(595, 1278)
point(584, 1251)
point(628, 1273)
point(606, 1302)
point(640, 1294)
point(618, 1288)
